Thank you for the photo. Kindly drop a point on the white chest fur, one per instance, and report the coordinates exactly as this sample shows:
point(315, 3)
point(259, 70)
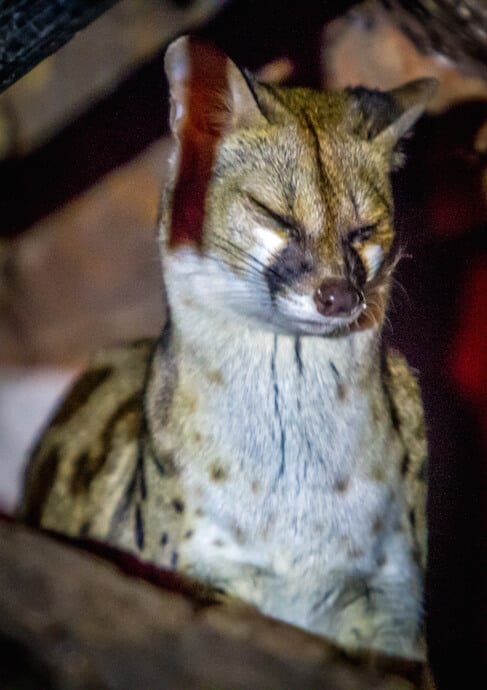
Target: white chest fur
point(289, 468)
point(291, 473)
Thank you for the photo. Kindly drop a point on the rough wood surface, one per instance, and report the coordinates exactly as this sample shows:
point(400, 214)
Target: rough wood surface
point(71, 621)
point(456, 28)
point(88, 68)
point(33, 30)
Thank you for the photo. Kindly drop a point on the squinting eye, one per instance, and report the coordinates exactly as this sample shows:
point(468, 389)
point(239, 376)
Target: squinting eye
point(284, 225)
point(362, 234)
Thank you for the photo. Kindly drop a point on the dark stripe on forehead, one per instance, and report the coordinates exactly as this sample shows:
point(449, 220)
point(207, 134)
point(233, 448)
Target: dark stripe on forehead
point(291, 169)
point(324, 178)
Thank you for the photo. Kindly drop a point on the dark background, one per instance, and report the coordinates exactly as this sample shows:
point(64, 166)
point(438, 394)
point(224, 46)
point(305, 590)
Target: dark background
point(81, 180)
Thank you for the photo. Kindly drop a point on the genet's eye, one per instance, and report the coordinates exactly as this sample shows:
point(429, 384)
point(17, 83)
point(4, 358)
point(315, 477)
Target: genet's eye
point(360, 235)
point(280, 223)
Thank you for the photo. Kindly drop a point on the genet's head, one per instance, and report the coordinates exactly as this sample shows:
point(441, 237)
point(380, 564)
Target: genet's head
point(279, 210)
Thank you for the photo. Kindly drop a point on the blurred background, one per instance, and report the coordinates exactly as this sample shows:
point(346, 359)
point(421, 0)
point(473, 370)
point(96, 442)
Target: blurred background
point(83, 156)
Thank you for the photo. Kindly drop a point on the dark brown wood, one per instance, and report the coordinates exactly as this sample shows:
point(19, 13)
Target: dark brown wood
point(31, 31)
point(72, 621)
point(455, 28)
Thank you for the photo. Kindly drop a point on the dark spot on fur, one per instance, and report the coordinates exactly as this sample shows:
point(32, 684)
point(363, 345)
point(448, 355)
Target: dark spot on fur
point(40, 480)
point(278, 412)
point(412, 518)
point(377, 525)
point(218, 542)
point(255, 487)
point(178, 505)
point(80, 477)
point(378, 473)
point(217, 473)
point(215, 377)
point(422, 472)
point(131, 407)
point(322, 601)
point(381, 560)
point(188, 534)
point(139, 528)
point(80, 393)
point(174, 559)
point(85, 528)
point(334, 370)
point(86, 465)
point(340, 387)
point(393, 413)
point(405, 462)
point(238, 534)
point(164, 538)
point(199, 512)
point(341, 485)
point(297, 355)
point(164, 463)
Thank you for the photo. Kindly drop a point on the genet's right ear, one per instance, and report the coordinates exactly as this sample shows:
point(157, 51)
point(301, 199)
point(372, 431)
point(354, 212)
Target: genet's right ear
point(209, 94)
point(411, 100)
point(210, 97)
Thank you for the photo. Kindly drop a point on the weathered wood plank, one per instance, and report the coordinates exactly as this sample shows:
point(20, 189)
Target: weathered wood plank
point(72, 621)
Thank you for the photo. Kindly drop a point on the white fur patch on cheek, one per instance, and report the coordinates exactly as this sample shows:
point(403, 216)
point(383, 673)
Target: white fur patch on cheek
point(267, 242)
point(372, 256)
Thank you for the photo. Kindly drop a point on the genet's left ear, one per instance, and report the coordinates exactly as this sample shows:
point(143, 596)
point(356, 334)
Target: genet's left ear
point(383, 117)
point(410, 100)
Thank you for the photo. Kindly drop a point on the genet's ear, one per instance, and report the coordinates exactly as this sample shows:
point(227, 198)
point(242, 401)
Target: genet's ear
point(210, 97)
point(209, 94)
point(410, 101)
point(384, 117)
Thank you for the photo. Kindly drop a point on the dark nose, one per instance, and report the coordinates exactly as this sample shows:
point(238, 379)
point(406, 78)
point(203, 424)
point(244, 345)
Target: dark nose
point(336, 298)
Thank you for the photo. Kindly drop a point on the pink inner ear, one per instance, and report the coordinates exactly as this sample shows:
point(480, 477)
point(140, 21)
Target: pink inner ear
point(198, 142)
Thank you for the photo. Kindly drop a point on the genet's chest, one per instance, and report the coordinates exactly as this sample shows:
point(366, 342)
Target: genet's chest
point(295, 474)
